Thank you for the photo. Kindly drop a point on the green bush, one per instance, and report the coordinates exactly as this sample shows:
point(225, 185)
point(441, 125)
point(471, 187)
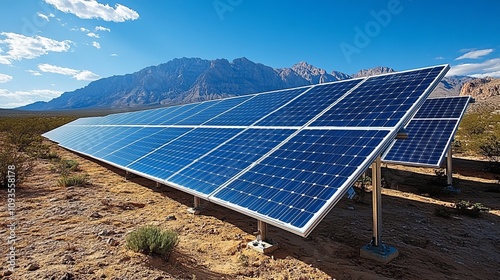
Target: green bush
point(469, 208)
point(78, 180)
point(152, 240)
point(20, 164)
point(66, 166)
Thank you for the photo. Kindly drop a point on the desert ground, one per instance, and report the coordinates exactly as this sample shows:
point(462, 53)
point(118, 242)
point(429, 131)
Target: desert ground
point(79, 232)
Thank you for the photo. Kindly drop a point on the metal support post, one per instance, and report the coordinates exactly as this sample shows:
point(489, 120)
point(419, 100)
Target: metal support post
point(261, 244)
point(261, 231)
point(195, 210)
point(449, 172)
point(377, 201)
point(376, 250)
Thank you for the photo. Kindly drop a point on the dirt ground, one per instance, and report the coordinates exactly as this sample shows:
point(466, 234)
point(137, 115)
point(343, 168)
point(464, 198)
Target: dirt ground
point(79, 232)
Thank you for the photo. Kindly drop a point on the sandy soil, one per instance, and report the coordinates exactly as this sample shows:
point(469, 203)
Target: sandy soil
point(79, 232)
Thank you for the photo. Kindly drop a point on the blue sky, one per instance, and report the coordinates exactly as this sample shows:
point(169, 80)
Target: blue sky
point(48, 47)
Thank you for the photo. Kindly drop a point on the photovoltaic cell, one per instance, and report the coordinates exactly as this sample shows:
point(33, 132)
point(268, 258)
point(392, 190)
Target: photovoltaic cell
point(430, 133)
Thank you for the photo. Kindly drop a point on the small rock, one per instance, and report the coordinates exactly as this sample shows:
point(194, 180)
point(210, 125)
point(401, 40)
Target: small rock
point(68, 259)
point(350, 207)
point(32, 267)
point(171, 218)
point(96, 215)
point(7, 273)
point(67, 276)
point(105, 232)
point(112, 242)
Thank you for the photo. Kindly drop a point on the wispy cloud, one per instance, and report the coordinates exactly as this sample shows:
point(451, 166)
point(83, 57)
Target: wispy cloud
point(96, 45)
point(475, 54)
point(113, 54)
point(102, 28)
point(45, 17)
point(81, 75)
point(13, 99)
point(93, 35)
point(5, 78)
point(34, 73)
point(23, 47)
point(440, 58)
point(91, 9)
point(486, 68)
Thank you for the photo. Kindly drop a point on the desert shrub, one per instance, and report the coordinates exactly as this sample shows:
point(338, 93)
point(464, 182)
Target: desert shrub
point(490, 148)
point(66, 166)
point(10, 156)
point(469, 208)
point(152, 240)
point(77, 180)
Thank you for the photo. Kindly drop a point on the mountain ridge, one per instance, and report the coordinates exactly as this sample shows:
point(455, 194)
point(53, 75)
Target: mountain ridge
point(186, 80)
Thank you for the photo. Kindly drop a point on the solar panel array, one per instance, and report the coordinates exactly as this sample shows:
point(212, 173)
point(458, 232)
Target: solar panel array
point(284, 157)
point(430, 133)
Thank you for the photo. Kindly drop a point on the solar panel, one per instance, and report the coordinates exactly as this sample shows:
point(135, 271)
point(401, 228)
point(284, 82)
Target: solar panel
point(284, 157)
point(430, 133)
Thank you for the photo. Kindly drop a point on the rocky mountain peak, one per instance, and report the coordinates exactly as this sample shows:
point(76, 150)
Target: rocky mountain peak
point(373, 71)
point(481, 88)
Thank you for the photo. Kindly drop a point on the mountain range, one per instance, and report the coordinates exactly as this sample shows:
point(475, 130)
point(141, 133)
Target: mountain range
point(187, 80)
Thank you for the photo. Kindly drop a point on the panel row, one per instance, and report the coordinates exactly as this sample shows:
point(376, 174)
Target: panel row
point(430, 133)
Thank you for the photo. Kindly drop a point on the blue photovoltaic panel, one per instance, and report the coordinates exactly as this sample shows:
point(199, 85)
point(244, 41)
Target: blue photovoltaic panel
point(430, 133)
point(447, 107)
point(307, 106)
point(426, 143)
point(211, 171)
point(137, 149)
point(284, 157)
point(303, 176)
point(221, 107)
point(255, 108)
point(168, 159)
point(381, 101)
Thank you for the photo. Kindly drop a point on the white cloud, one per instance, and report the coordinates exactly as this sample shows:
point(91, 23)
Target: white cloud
point(23, 47)
point(93, 35)
point(486, 68)
point(102, 28)
point(475, 54)
point(439, 58)
point(83, 29)
point(5, 78)
point(113, 54)
point(45, 17)
point(96, 45)
point(9, 99)
point(34, 73)
point(90, 9)
point(80, 75)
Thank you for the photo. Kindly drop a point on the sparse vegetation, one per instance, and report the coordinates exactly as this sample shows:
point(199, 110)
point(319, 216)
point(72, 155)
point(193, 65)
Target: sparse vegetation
point(469, 208)
point(76, 180)
point(152, 240)
point(442, 212)
point(21, 143)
